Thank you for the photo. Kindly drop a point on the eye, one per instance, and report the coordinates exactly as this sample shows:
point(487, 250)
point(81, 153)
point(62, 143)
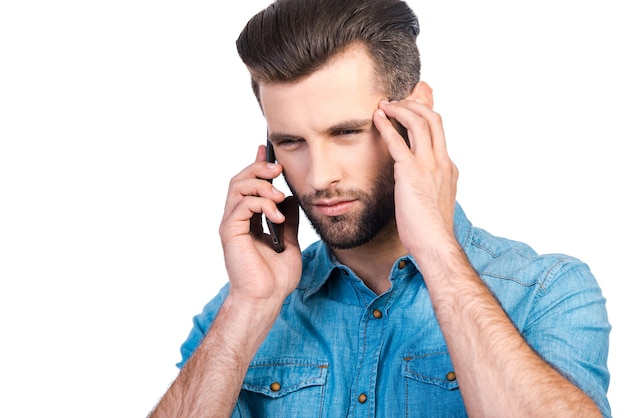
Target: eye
point(288, 142)
point(347, 132)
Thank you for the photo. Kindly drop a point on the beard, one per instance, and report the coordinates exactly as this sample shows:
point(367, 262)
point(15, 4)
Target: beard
point(354, 229)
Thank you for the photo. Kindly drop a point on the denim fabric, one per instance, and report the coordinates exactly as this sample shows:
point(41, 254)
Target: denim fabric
point(332, 354)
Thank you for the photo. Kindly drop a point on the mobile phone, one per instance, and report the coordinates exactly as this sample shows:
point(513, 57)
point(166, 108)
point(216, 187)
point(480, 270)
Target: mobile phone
point(276, 230)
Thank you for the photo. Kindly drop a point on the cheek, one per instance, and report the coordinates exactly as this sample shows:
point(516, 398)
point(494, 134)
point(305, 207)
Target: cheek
point(371, 158)
point(294, 174)
point(361, 168)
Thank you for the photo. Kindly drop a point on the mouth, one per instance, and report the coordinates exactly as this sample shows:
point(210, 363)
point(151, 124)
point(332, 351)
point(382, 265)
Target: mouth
point(333, 207)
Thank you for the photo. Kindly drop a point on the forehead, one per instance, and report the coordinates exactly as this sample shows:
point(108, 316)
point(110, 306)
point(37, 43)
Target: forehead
point(343, 89)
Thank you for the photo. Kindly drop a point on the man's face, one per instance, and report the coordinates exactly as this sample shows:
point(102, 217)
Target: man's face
point(334, 160)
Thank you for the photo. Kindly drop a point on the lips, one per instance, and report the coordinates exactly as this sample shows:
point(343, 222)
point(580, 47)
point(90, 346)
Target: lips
point(333, 207)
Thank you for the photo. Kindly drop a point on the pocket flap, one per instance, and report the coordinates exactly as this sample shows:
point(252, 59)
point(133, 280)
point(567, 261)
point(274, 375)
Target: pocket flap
point(276, 378)
point(434, 368)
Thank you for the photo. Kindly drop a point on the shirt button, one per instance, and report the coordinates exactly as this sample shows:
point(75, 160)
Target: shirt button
point(402, 264)
point(275, 387)
point(451, 376)
point(362, 398)
point(377, 314)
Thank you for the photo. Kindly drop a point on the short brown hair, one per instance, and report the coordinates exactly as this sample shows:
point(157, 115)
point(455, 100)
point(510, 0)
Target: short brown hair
point(292, 39)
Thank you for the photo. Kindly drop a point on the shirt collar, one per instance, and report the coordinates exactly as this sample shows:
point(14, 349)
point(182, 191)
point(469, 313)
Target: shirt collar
point(318, 261)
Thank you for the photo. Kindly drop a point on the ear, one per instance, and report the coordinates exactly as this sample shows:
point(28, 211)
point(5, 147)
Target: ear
point(423, 94)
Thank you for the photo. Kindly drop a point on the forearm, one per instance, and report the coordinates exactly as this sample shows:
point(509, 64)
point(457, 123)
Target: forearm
point(210, 382)
point(499, 374)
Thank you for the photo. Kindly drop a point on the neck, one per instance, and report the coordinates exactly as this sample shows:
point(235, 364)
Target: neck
point(372, 261)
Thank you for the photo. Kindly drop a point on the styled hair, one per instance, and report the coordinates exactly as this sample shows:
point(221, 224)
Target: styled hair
point(292, 39)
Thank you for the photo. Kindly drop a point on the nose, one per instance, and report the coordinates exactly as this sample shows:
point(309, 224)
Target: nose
point(323, 168)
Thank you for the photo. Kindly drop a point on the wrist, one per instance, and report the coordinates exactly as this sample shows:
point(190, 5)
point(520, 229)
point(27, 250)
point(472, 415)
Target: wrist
point(437, 253)
point(252, 318)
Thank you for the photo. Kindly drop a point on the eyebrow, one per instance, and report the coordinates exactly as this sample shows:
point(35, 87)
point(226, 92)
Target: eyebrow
point(350, 124)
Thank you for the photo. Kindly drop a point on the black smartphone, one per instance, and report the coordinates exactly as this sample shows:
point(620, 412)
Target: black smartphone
point(276, 230)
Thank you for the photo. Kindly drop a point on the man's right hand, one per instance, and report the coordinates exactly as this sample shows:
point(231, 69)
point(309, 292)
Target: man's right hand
point(260, 280)
point(256, 272)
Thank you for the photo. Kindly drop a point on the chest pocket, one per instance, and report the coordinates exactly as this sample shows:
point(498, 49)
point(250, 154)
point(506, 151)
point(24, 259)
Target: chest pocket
point(431, 386)
point(284, 387)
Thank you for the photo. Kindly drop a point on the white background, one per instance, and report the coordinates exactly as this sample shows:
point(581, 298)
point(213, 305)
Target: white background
point(121, 123)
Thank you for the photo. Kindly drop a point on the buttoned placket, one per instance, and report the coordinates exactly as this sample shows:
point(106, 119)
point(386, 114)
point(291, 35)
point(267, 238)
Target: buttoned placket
point(371, 337)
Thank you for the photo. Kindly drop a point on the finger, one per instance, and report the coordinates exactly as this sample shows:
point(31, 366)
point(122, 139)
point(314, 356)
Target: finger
point(257, 187)
point(251, 205)
point(259, 170)
point(251, 182)
point(434, 122)
point(260, 153)
point(395, 142)
point(243, 217)
point(418, 128)
point(432, 140)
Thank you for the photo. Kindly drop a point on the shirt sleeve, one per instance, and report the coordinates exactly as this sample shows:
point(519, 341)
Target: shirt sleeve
point(201, 324)
point(569, 327)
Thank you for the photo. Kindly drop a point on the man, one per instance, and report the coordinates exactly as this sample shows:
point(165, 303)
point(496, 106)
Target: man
point(403, 308)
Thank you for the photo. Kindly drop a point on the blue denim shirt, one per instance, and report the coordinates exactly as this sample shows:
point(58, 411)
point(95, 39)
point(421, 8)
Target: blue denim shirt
point(337, 349)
